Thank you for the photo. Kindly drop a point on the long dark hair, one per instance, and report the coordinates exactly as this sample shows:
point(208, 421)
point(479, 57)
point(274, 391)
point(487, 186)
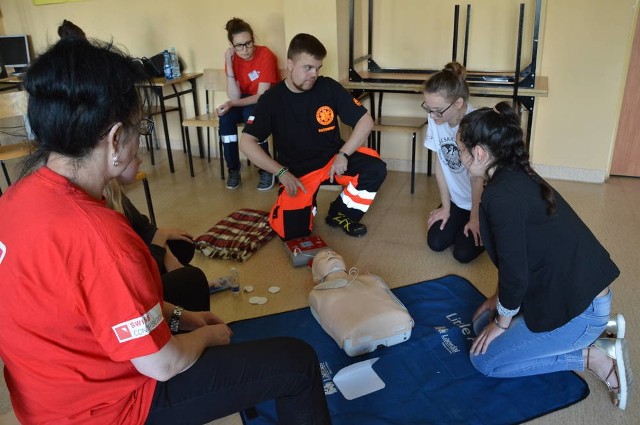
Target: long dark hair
point(498, 130)
point(77, 90)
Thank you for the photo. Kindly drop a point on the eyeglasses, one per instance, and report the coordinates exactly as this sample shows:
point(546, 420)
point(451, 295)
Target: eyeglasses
point(240, 47)
point(145, 128)
point(436, 114)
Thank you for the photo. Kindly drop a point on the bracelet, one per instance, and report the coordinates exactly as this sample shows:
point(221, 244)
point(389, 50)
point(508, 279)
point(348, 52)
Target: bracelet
point(343, 154)
point(504, 328)
point(231, 76)
point(281, 172)
point(174, 322)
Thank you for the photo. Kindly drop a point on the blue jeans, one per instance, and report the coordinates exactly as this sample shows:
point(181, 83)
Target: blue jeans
point(229, 133)
point(520, 352)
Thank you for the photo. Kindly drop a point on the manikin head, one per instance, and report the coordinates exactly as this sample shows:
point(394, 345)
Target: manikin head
point(328, 266)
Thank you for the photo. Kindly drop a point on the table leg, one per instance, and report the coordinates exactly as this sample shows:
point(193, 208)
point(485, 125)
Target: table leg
point(177, 96)
point(374, 135)
point(196, 110)
point(186, 131)
point(413, 162)
point(165, 126)
point(147, 194)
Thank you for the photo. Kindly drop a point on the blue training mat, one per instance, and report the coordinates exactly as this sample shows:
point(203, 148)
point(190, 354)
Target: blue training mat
point(429, 378)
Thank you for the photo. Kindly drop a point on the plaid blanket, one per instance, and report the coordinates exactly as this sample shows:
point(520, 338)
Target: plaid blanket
point(237, 236)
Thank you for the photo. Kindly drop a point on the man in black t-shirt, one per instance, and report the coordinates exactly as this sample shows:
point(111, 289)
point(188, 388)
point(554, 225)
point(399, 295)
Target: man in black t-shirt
point(301, 113)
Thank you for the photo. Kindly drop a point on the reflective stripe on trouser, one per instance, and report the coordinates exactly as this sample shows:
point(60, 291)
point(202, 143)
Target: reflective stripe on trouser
point(357, 199)
point(292, 217)
point(230, 151)
point(229, 139)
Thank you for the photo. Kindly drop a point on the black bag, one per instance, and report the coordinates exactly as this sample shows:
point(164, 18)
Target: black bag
point(154, 66)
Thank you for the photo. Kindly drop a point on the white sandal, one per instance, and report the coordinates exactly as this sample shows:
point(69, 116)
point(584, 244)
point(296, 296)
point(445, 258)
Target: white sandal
point(616, 349)
point(616, 327)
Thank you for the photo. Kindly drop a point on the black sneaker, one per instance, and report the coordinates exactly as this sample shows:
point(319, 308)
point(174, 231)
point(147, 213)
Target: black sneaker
point(350, 227)
point(233, 181)
point(266, 180)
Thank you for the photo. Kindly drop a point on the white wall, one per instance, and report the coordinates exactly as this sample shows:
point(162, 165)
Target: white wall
point(583, 50)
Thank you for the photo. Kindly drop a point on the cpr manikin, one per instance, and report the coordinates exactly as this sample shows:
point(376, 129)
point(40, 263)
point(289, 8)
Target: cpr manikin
point(358, 311)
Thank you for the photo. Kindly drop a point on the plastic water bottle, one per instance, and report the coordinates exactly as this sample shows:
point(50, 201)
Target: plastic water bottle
point(168, 72)
point(175, 63)
point(234, 281)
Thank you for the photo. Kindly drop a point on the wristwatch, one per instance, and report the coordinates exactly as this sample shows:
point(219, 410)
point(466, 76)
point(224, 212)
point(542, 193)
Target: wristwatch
point(343, 154)
point(174, 322)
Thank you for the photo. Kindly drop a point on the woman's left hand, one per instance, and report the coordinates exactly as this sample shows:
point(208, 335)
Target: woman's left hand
point(174, 234)
point(224, 108)
point(486, 337)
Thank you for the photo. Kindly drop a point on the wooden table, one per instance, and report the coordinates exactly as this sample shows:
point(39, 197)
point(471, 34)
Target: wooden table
point(413, 83)
point(11, 82)
point(157, 85)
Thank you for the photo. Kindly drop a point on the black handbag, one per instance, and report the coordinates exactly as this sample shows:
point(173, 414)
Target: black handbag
point(154, 66)
point(151, 67)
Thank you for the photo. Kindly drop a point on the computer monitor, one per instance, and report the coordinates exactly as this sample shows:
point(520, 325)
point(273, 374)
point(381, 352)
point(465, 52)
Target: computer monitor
point(15, 52)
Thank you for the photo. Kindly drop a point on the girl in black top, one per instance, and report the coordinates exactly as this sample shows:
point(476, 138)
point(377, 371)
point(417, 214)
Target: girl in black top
point(553, 298)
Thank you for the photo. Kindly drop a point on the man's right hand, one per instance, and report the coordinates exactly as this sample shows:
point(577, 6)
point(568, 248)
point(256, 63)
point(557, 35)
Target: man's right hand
point(291, 184)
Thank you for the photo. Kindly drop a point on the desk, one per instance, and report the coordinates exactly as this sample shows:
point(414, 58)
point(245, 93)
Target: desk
point(389, 82)
point(157, 85)
point(11, 82)
point(413, 82)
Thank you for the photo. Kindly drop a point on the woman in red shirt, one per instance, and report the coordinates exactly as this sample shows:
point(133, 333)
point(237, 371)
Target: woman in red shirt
point(86, 337)
point(251, 70)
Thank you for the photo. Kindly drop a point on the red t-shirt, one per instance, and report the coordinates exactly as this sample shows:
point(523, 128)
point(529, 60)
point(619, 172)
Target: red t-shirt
point(262, 68)
point(81, 297)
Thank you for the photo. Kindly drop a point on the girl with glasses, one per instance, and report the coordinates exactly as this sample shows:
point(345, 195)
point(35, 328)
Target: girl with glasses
point(251, 70)
point(455, 222)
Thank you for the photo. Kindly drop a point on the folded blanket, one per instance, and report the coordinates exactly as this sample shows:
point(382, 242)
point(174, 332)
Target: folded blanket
point(237, 236)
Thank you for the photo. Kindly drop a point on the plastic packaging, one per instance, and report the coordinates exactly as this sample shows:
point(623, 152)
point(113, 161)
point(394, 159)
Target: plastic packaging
point(175, 63)
point(234, 281)
point(168, 73)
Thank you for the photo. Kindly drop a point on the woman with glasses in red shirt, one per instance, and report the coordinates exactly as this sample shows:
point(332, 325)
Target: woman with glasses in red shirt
point(251, 69)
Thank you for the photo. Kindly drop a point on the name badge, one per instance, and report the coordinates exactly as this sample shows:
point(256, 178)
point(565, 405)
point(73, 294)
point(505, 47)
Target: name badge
point(254, 75)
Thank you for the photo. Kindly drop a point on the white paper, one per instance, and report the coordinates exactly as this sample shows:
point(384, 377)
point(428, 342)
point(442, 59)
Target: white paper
point(358, 379)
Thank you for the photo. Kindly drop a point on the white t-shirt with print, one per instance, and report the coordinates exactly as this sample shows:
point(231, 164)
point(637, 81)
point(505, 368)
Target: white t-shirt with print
point(442, 140)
